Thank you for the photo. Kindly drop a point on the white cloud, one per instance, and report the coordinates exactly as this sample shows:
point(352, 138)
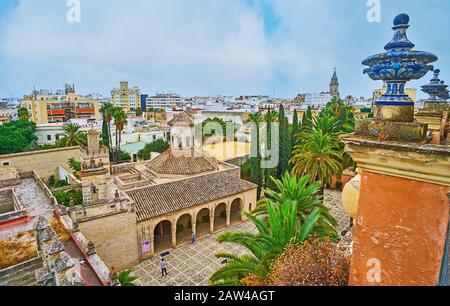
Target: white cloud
point(194, 47)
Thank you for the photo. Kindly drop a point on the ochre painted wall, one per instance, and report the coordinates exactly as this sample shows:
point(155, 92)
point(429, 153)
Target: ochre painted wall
point(45, 162)
point(403, 224)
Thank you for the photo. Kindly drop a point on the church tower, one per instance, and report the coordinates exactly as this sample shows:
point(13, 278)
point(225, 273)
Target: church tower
point(334, 85)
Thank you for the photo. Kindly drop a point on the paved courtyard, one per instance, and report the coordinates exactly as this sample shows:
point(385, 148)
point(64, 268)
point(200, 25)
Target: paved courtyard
point(189, 265)
point(192, 265)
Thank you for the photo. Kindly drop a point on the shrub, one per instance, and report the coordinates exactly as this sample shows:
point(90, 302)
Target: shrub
point(51, 181)
point(60, 183)
point(65, 198)
point(313, 263)
point(158, 146)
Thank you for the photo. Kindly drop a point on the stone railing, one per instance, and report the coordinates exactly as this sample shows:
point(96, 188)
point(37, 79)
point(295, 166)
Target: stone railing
point(122, 168)
point(95, 263)
point(132, 181)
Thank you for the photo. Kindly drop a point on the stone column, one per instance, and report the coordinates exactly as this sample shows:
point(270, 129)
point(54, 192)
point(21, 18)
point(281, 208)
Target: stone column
point(228, 214)
point(174, 235)
point(152, 243)
point(194, 227)
point(211, 221)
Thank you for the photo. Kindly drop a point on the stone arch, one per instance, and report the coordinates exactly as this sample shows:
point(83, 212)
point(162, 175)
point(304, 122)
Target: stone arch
point(220, 216)
point(236, 208)
point(203, 222)
point(163, 236)
point(184, 228)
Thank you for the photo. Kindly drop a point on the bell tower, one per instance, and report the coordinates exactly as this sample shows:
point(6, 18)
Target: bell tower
point(334, 86)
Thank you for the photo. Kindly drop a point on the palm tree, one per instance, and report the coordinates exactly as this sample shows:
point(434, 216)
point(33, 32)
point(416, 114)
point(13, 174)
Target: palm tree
point(120, 119)
point(282, 228)
point(304, 194)
point(327, 124)
point(318, 156)
point(126, 279)
point(107, 112)
point(72, 136)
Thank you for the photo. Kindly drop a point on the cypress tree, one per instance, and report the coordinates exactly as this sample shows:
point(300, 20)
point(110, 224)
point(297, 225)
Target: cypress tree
point(255, 162)
point(268, 172)
point(295, 129)
point(284, 143)
point(105, 133)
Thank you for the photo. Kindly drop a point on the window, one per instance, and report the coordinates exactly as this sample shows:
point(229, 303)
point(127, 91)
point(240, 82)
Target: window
point(57, 137)
point(49, 137)
point(7, 163)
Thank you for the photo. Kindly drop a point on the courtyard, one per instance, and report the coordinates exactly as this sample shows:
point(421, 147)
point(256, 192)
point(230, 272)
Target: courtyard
point(192, 265)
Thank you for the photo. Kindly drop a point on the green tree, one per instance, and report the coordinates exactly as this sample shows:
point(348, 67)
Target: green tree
point(105, 134)
point(23, 114)
point(17, 136)
point(281, 228)
point(319, 157)
point(295, 128)
point(139, 111)
point(74, 165)
point(120, 119)
point(107, 111)
point(126, 279)
point(72, 136)
point(270, 118)
point(307, 117)
point(255, 161)
point(157, 146)
point(304, 194)
point(284, 143)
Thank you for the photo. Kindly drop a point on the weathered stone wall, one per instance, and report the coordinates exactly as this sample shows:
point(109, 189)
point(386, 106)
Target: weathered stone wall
point(45, 162)
point(21, 274)
point(115, 237)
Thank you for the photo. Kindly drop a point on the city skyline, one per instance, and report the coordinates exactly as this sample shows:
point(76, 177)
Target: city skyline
point(196, 49)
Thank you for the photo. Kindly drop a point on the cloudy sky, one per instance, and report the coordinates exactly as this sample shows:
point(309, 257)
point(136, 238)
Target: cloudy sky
point(207, 47)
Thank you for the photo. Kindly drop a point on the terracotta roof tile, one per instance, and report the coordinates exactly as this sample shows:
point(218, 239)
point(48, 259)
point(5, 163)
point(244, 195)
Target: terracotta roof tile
point(182, 119)
point(182, 162)
point(163, 199)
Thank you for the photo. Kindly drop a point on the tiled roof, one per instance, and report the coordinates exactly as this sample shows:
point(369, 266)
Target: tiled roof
point(162, 199)
point(183, 162)
point(182, 118)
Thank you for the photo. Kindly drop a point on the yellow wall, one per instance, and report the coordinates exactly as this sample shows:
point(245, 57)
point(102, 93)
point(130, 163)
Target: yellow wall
point(45, 163)
point(411, 92)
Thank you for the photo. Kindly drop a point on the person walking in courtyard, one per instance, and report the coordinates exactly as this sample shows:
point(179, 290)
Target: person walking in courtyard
point(193, 238)
point(163, 266)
